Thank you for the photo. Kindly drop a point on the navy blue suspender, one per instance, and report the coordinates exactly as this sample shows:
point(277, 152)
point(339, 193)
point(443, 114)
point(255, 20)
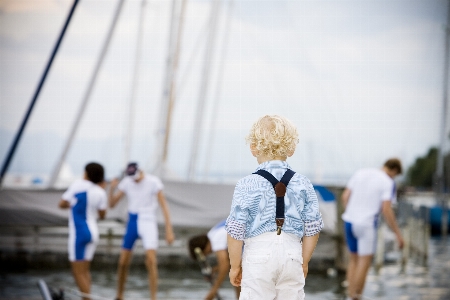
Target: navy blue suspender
point(280, 192)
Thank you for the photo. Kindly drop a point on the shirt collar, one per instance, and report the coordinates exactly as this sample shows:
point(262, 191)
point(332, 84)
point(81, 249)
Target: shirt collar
point(273, 164)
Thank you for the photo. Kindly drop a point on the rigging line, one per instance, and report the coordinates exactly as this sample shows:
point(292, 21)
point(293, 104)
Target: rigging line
point(134, 84)
point(16, 140)
point(87, 95)
point(216, 99)
point(198, 125)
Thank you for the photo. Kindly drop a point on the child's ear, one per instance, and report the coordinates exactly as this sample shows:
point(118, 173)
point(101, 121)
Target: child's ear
point(253, 150)
point(290, 152)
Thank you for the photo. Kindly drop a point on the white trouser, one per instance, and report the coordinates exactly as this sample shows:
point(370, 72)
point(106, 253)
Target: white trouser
point(272, 268)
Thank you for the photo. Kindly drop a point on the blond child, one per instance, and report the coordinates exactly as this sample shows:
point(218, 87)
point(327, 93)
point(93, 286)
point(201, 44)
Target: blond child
point(275, 214)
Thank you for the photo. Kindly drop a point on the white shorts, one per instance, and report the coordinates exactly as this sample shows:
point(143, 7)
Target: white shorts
point(139, 227)
point(272, 267)
point(361, 239)
point(82, 244)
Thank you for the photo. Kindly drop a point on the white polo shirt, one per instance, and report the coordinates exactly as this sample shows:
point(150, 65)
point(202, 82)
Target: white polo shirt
point(142, 195)
point(369, 188)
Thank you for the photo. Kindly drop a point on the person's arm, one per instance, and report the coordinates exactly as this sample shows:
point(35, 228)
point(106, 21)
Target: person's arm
point(114, 198)
point(235, 253)
point(389, 216)
point(345, 196)
point(223, 263)
point(63, 204)
point(308, 245)
point(170, 237)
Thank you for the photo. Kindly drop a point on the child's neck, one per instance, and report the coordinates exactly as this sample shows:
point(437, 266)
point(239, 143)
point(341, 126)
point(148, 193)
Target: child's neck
point(262, 158)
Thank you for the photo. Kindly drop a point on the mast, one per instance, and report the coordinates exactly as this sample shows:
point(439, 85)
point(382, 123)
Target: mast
point(168, 96)
point(172, 89)
point(87, 95)
point(16, 140)
point(198, 125)
point(216, 99)
point(440, 186)
point(134, 85)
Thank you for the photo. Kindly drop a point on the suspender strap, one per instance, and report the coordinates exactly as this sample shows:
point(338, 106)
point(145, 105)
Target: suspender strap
point(280, 192)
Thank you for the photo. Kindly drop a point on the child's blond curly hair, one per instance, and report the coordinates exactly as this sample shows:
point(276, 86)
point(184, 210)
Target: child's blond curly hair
point(273, 136)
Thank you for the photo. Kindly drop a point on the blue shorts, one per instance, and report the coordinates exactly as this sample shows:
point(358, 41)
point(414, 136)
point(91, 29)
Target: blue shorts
point(361, 239)
point(142, 228)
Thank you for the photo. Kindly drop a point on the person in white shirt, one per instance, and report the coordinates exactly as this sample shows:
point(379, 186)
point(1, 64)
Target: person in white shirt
point(368, 192)
point(87, 199)
point(215, 241)
point(143, 191)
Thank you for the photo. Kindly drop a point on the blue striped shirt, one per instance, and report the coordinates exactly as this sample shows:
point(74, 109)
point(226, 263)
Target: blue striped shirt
point(254, 203)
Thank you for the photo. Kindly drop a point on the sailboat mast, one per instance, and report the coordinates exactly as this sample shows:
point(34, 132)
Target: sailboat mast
point(172, 89)
point(162, 122)
point(12, 150)
point(440, 186)
point(216, 100)
point(198, 125)
point(87, 96)
point(134, 85)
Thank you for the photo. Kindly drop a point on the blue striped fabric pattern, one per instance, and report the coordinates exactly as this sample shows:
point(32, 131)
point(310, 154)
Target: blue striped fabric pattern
point(254, 204)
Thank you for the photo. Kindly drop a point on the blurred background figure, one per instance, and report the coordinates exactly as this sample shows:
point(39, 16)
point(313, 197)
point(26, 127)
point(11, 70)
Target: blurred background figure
point(143, 191)
point(215, 241)
point(368, 192)
point(87, 200)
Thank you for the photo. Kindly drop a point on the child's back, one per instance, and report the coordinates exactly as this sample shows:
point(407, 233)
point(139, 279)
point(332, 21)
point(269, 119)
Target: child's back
point(273, 265)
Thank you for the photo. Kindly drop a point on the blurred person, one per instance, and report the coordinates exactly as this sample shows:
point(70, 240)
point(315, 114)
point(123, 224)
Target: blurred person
point(87, 200)
point(368, 192)
point(143, 192)
point(275, 214)
point(214, 241)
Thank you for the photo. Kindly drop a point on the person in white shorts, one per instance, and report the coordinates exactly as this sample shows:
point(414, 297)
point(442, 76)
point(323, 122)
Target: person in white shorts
point(87, 201)
point(144, 192)
point(275, 214)
point(215, 241)
point(368, 192)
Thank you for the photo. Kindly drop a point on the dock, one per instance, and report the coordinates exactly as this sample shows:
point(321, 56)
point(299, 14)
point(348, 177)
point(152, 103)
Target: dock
point(26, 247)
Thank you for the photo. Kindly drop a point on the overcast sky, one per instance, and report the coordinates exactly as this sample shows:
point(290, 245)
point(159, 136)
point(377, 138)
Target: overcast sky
point(362, 80)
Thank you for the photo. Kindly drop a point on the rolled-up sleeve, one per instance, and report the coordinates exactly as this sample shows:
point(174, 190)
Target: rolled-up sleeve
point(311, 215)
point(236, 221)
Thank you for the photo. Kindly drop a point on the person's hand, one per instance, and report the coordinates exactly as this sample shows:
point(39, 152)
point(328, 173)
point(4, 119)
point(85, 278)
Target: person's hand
point(305, 269)
point(114, 183)
point(400, 241)
point(236, 276)
point(170, 236)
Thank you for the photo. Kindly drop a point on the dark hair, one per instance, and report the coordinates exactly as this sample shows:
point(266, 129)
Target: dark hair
point(394, 164)
point(95, 172)
point(200, 241)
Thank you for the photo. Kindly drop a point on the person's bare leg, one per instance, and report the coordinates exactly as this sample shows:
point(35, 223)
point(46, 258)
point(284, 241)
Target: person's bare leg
point(359, 276)
point(364, 263)
point(351, 268)
point(122, 271)
point(80, 271)
point(152, 268)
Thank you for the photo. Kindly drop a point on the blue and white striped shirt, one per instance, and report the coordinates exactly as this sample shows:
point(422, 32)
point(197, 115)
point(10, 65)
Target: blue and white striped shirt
point(254, 203)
